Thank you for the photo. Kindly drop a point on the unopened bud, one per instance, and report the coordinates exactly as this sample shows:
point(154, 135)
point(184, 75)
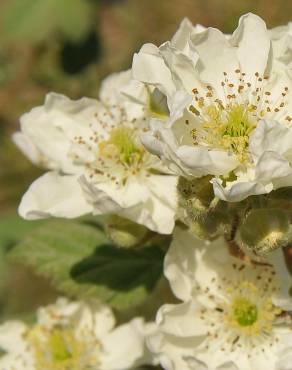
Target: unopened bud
point(264, 230)
point(195, 198)
point(124, 233)
point(212, 226)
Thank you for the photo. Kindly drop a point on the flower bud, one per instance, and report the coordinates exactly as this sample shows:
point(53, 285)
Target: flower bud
point(212, 226)
point(124, 233)
point(195, 198)
point(264, 230)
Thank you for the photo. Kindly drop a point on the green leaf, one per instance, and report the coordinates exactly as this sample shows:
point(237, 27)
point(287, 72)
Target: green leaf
point(31, 21)
point(131, 272)
point(81, 262)
point(13, 228)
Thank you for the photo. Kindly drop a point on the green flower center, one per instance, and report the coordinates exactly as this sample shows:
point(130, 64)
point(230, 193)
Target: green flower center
point(123, 146)
point(228, 128)
point(245, 312)
point(60, 345)
point(227, 123)
point(237, 127)
point(247, 317)
point(59, 349)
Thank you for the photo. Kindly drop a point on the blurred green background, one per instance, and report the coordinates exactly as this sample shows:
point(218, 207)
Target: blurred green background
point(68, 46)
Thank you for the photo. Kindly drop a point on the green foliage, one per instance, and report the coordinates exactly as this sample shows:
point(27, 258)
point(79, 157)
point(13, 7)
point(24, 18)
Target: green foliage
point(12, 228)
point(82, 263)
point(31, 21)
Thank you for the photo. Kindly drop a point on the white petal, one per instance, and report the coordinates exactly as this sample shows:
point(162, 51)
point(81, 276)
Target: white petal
point(163, 189)
point(228, 366)
point(52, 127)
point(136, 91)
point(170, 353)
point(11, 336)
point(165, 147)
point(253, 45)
point(58, 313)
point(177, 336)
point(152, 144)
point(285, 363)
point(129, 195)
point(137, 98)
point(182, 320)
point(191, 262)
point(157, 212)
point(18, 355)
point(272, 165)
point(112, 85)
point(141, 203)
point(181, 66)
point(270, 136)
point(195, 364)
point(237, 191)
point(94, 316)
point(104, 321)
point(282, 182)
point(181, 37)
point(180, 261)
point(28, 148)
point(201, 161)
point(178, 103)
point(263, 360)
point(100, 201)
point(149, 67)
point(54, 195)
point(133, 193)
point(124, 347)
point(282, 298)
point(216, 56)
point(213, 262)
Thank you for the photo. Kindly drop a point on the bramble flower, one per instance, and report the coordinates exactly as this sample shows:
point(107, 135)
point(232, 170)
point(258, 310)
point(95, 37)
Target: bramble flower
point(233, 314)
point(96, 160)
point(74, 336)
point(13, 348)
point(281, 39)
point(229, 103)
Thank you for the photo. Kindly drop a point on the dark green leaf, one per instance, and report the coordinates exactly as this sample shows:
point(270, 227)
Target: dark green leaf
point(81, 262)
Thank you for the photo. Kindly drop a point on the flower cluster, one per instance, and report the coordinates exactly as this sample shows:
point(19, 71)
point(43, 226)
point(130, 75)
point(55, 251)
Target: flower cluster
point(195, 140)
point(74, 336)
point(95, 159)
point(234, 313)
point(229, 101)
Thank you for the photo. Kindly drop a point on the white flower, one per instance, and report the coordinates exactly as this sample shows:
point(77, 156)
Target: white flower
point(75, 336)
point(282, 44)
point(233, 312)
point(15, 354)
point(96, 161)
point(230, 107)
